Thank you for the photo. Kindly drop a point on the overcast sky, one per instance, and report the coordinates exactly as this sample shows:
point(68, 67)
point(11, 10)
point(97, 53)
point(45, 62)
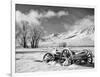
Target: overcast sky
point(53, 19)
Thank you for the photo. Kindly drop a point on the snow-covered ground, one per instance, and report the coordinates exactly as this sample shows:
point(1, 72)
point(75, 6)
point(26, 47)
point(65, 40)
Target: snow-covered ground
point(32, 61)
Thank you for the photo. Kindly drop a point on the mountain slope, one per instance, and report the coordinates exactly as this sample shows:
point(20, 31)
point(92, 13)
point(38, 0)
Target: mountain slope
point(82, 35)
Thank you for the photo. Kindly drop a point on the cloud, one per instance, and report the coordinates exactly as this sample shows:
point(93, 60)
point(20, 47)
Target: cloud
point(31, 17)
point(84, 23)
point(62, 13)
point(50, 13)
point(34, 16)
point(68, 27)
point(81, 24)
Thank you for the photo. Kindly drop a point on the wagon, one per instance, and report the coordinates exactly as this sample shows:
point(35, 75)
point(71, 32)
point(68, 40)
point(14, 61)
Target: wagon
point(67, 57)
point(83, 57)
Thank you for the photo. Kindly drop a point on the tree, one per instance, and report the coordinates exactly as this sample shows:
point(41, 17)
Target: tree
point(24, 34)
point(21, 33)
point(36, 34)
point(28, 33)
point(18, 35)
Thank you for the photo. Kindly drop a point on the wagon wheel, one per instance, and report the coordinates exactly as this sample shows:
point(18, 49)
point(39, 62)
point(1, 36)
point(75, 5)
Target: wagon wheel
point(48, 57)
point(66, 62)
point(68, 55)
point(89, 56)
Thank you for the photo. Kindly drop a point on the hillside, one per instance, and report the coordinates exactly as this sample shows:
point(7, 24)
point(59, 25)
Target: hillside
point(82, 36)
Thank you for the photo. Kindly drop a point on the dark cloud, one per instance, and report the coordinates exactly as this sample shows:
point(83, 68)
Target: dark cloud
point(52, 18)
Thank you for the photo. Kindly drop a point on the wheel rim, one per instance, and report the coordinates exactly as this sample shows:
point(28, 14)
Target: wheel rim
point(89, 58)
point(47, 57)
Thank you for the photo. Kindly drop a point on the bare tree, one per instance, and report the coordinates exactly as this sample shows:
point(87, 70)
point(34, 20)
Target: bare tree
point(21, 33)
point(36, 34)
point(18, 34)
point(24, 34)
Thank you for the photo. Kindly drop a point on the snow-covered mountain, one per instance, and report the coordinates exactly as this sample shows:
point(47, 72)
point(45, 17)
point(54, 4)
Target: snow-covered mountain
point(82, 36)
